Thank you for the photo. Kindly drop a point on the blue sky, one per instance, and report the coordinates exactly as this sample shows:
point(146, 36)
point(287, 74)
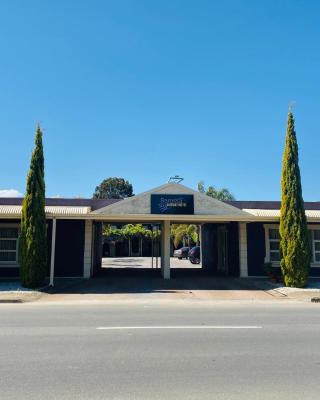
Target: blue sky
point(148, 89)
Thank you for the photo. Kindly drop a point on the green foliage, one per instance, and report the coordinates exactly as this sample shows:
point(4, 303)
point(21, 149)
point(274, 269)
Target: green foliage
point(222, 194)
point(129, 231)
point(33, 242)
point(149, 233)
point(133, 230)
point(294, 242)
point(183, 233)
point(201, 187)
point(111, 232)
point(113, 188)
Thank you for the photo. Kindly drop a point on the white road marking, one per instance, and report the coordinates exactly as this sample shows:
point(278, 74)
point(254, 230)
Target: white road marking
point(119, 328)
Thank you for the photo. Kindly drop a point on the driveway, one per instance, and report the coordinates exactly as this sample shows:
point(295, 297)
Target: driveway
point(145, 262)
point(134, 279)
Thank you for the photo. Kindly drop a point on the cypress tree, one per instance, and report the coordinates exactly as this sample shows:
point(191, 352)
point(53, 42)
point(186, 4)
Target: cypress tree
point(33, 243)
point(294, 239)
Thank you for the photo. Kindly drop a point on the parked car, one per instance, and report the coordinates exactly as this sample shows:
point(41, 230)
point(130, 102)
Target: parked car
point(194, 255)
point(181, 253)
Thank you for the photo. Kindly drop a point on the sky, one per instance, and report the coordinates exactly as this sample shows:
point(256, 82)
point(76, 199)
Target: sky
point(145, 90)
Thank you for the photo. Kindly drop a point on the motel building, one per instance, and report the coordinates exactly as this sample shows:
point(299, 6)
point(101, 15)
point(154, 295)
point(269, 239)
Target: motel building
point(237, 237)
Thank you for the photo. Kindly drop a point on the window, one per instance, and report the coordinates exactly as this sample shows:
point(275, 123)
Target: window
point(9, 237)
point(273, 243)
point(315, 240)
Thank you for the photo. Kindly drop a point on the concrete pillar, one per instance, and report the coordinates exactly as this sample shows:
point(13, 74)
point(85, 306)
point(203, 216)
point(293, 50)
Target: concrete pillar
point(53, 250)
point(165, 250)
point(87, 260)
point(243, 252)
point(199, 230)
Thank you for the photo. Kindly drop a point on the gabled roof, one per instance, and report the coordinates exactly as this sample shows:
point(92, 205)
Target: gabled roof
point(140, 205)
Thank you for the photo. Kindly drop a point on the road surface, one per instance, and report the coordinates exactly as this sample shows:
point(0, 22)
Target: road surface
point(223, 350)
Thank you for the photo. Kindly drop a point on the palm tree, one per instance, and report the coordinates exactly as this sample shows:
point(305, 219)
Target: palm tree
point(184, 233)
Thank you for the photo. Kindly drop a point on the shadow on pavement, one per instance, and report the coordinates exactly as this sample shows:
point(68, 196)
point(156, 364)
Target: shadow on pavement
point(132, 280)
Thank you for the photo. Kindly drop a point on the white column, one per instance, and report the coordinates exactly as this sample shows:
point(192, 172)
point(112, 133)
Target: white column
point(87, 261)
point(243, 252)
point(53, 250)
point(165, 250)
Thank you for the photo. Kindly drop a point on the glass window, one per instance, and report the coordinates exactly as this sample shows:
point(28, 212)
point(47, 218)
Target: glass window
point(316, 234)
point(274, 256)
point(9, 232)
point(7, 256)
point(315, 241)
point(274, 234)
point(274, 244)
point(9, 245)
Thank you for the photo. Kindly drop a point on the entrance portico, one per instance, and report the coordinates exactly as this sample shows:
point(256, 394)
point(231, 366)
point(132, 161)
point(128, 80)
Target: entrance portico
point(172, 203)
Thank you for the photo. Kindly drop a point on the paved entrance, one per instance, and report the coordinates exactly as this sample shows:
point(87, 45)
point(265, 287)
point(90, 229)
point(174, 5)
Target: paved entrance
point(149, 287)
point(133, 278)
point(145, 263)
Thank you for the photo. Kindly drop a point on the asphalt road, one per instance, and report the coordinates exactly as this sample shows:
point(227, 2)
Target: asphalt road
point(213, 351)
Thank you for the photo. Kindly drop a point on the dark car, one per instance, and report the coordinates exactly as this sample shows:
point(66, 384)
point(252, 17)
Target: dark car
point(181, 253)
point(194, 255)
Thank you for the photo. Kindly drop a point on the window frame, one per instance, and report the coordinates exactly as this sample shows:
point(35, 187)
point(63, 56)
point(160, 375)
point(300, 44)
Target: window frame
point(15, 263)
point(267, 258)
point(311, 228)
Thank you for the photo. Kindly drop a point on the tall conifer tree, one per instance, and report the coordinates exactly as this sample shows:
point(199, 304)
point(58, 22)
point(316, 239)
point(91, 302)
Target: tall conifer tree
point(33, 243)
point(294, 242)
